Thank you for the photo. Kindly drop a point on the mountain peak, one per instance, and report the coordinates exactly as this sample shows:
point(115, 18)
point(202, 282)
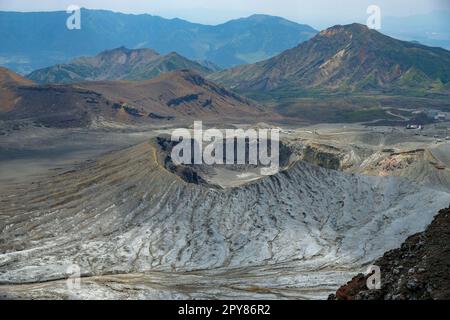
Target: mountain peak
point(262, 17)
point(349, 29)
point(8, 81)
point(9, 77)
point(126, 51)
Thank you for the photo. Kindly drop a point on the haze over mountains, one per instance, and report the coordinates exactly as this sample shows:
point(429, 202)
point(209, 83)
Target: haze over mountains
point(117, 64)
point(431, 29)
point(39, 39)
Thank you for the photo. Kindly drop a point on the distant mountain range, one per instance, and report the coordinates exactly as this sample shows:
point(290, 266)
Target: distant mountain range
point(35, 40)
point(117, 64)
point(349, 58)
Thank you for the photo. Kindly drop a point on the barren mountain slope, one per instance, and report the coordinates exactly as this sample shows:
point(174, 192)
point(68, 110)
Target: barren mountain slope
point(180, 94)
point(172, 97)
point(8, 81)
point(346, 58)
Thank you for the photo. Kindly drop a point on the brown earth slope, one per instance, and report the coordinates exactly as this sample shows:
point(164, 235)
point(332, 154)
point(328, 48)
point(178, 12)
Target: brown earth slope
point(8, 81)
point(177, 96)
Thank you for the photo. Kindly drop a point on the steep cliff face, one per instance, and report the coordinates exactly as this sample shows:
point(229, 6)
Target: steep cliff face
point(418, 270)
point(126, 213)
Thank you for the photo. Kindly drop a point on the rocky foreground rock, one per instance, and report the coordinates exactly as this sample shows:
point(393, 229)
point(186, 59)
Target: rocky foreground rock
point(418, 270)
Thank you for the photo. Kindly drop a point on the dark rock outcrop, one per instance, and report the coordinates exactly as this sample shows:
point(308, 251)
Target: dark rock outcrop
point(418, 270)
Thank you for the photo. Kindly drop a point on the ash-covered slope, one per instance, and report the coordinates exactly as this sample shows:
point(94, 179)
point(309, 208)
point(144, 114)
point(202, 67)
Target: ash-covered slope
point(349, 58)
point(127, 214)
point(418, 270)
point(117, 64)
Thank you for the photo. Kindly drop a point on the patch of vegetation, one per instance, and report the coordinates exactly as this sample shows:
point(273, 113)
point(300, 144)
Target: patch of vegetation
point(367, 115)
point(185, 99)
point(132, 111)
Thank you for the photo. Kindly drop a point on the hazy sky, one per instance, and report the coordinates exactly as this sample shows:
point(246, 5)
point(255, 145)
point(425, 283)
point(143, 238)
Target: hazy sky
point(319, 13)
